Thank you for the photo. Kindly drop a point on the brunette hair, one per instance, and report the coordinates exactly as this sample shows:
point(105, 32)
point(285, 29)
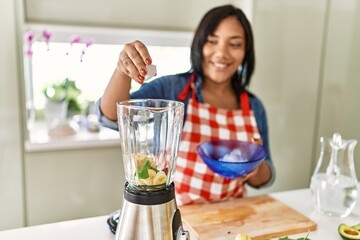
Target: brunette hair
point(207, 26)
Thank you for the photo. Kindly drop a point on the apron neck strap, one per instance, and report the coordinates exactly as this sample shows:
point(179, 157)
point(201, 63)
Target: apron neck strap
point(184, 93)
point(244, 97)
point(245, 103)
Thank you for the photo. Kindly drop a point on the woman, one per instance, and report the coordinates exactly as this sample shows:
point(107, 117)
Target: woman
point(217, 103)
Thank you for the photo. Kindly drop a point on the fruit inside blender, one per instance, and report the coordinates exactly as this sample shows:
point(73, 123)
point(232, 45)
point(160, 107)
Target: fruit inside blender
point(146, 172)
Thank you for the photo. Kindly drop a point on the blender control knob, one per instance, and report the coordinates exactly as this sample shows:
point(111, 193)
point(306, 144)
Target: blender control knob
point(183, 234)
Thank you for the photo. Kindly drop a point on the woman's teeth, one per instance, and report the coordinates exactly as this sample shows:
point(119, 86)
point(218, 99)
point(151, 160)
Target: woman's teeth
point(220, 65)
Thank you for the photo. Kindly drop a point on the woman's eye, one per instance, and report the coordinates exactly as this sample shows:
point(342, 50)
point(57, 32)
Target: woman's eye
point(212, 42)
point(235, 45)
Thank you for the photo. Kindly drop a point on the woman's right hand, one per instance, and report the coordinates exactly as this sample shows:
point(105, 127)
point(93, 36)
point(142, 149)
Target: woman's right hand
point(133, 60)
point(131, 64)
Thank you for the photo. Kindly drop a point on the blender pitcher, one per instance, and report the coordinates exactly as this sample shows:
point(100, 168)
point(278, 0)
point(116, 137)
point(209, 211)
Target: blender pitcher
point(150, 133)
point(334, 184)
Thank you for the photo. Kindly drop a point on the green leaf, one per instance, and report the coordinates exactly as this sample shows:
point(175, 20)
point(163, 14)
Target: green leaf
point(64, 90)
point(143, 171)
point(286, 238)
point(55, 93)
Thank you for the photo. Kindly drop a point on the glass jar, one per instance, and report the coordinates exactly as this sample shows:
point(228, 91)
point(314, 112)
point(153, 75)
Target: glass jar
point(334, 184)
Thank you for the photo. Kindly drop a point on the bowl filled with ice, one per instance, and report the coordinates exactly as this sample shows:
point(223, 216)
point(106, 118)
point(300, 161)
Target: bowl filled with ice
point(231, 158)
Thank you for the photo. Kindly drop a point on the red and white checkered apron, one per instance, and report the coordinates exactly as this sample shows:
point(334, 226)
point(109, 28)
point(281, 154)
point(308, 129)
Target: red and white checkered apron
point(194, 181)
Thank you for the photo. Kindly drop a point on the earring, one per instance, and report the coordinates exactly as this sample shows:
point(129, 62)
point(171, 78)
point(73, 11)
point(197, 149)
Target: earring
point(243, 74)
point(239, 69)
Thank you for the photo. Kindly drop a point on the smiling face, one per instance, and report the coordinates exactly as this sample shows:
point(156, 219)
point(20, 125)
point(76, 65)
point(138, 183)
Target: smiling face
point(224, 51)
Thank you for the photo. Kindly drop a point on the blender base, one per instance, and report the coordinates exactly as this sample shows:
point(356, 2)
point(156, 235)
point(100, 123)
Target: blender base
point(149, 216)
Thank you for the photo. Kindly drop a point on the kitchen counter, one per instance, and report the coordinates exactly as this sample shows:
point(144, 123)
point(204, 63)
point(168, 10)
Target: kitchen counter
point(327, 227)
point(40, 141)
point(96, 228)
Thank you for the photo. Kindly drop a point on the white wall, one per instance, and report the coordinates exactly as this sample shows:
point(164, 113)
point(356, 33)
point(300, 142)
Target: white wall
point(11, 170)
point(288, 66)
point(156, 14)
point(307, 74)
point(339, 109)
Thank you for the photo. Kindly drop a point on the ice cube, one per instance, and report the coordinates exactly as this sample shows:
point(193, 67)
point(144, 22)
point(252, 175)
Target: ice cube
point(233, 156)
point(151, 71)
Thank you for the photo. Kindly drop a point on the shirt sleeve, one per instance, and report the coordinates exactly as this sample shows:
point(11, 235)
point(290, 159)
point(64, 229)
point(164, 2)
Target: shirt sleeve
point(103, 120)
point(261, 121)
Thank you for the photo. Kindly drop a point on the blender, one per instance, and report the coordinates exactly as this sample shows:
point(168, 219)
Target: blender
point(150, 132)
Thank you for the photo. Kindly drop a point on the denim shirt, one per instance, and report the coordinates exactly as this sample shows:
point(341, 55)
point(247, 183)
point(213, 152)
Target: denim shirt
point(170, 86)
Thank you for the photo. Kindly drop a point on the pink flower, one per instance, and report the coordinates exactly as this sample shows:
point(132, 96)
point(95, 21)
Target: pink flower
point(29, 52)
point(74, 39)
point(88, 42)
point(47, 37)
point(29, 38)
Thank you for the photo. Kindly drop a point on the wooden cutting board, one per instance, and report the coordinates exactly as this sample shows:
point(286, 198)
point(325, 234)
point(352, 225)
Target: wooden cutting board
point(261, 217)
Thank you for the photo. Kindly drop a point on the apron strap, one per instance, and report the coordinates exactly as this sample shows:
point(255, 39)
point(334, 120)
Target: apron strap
point(245, 104)
point(184, 93)
point(244, 97)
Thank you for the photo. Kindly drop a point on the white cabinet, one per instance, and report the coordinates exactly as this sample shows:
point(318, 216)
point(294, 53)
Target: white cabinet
point(70, 184)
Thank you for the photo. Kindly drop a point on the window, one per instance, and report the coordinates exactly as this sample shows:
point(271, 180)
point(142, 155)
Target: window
point(57, 58)
point(94, 71)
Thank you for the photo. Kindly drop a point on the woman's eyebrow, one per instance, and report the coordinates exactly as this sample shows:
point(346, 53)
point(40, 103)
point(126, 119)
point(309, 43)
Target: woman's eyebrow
point(237, 37)
point(232, 37)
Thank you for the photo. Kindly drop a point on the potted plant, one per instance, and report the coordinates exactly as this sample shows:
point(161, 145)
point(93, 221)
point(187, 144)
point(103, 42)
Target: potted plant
point(61, 100)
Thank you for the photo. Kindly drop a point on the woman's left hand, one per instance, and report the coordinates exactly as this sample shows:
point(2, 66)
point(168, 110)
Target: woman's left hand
point(261, 174)
point(257, 141)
